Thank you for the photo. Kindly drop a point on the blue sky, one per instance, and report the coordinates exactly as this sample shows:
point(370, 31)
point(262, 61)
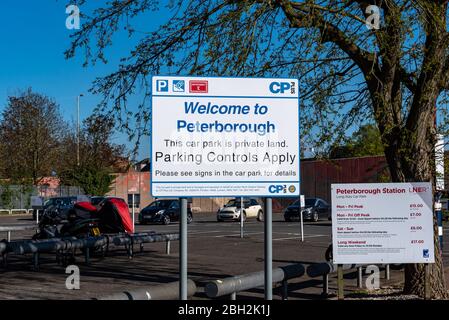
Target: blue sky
point(33, 40)
point(34, 37)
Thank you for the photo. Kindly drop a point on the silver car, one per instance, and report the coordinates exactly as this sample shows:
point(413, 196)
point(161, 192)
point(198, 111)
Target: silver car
point(231, 211)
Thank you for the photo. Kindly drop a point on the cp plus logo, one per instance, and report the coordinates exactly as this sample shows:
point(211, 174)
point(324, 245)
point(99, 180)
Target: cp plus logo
point(198, 86)
point(282, 87)
point(277, 188)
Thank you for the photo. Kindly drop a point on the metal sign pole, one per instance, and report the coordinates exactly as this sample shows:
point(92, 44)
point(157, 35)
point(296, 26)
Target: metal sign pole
point(439, 214)
point(241, 217)
point(133, 213)
point(301, 207)
point(183, 250)
point(268, 249)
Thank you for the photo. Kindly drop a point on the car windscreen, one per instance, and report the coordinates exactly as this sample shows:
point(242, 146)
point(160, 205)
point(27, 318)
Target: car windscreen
point(49, 202)
point(310, 202)
point(236, 203)
point(160, 204)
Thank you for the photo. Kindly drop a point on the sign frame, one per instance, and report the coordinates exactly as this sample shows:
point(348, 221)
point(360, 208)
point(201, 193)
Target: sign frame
point(227, 195)
point(395, 228)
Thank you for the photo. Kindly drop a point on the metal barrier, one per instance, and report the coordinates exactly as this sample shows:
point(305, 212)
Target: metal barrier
point(324, 269)
point(25, 211)
point(62, 246)
point(169, 291)
point(11, 211)
point(10, 228)
point(232, 285)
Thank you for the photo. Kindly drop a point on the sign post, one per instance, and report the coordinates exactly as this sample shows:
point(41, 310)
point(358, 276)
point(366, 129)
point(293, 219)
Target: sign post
point(133, 213)
point(37, 204)
point(183, 250)
point(241, 217)
point(302, 205)
point(225, 137)
point(268, 226)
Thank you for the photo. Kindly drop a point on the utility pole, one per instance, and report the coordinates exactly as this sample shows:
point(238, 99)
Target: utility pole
point(78, 131)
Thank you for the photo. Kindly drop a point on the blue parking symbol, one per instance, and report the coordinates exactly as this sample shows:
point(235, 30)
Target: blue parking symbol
point(162, 85)
point(178, 86)
point(425, 253)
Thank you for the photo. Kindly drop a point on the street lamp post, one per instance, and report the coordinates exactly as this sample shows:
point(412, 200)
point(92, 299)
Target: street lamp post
point(78, 131)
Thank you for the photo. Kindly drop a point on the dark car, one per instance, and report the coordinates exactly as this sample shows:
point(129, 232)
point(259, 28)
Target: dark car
point(163, 211)
point(59, 205)
point(315, 209)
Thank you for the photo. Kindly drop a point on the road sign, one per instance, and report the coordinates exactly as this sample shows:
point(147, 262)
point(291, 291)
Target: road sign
point(382, 223)
point(222, 137)
point(36, 201)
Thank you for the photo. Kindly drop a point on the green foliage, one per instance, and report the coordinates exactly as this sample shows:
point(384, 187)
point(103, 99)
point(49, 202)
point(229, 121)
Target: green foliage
point(93, 180)
point(6, 197)
point(364, 142)
point(30, 130)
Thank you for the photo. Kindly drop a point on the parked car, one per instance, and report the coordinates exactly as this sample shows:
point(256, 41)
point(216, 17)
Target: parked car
point(61, 205)
point(315, 209)
point(232, 210)
point(163, 211)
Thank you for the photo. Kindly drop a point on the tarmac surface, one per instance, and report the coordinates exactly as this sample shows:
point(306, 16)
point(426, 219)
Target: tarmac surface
point(215, 251)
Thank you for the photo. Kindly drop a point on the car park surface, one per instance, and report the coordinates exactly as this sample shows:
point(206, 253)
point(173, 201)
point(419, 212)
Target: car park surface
point(215, 251)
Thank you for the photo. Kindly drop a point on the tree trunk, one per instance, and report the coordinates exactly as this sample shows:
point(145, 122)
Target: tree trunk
point(410, 159)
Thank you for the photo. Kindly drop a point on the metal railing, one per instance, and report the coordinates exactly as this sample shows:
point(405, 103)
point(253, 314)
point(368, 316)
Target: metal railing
point(324, 269)
point(64, 246)
point(19, 211)
point(232, 285)
point(168, 291)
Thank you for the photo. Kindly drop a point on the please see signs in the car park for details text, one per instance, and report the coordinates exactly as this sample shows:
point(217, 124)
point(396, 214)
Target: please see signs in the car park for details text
point(382, 223)
point(222, 137)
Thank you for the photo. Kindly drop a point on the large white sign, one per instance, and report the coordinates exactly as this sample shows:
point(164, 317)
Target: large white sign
point(221, 137)
point(382, 223)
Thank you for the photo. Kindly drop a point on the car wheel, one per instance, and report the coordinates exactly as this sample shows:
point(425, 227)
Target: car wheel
point(166, 220)
point(244, 216)
point(219, 220)
point(260, 216)
point(287, 219)
point(189, 218)
point(315, 217)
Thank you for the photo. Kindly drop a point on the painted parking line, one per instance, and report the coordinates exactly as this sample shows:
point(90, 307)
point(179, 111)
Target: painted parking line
point(305, 237)
point(238, 234)
point(201, 232)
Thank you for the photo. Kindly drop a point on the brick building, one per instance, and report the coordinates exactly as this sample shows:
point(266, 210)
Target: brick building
point(316, 179)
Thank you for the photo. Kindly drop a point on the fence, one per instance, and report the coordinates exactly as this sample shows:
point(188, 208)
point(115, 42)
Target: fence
point(17, 197)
